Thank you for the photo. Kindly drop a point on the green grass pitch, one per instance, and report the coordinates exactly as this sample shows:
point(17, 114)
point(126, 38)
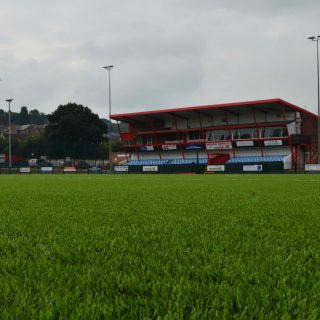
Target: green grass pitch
point(160, 246)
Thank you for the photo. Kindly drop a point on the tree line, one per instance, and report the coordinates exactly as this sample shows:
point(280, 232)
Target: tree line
point(23, 117)
point(72, 130)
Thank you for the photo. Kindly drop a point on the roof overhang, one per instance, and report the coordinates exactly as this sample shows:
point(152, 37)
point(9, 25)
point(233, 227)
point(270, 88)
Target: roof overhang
point(235, 108)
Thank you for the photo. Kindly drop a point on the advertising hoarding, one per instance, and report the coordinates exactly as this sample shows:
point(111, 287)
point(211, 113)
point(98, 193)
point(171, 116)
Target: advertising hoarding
point(216, 168)
point(252, 168)
point(222, 145)
point(150, 168)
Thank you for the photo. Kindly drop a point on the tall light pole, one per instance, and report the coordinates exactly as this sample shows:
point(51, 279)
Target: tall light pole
point(316, 39)
point(10, 162)
point(110, 126)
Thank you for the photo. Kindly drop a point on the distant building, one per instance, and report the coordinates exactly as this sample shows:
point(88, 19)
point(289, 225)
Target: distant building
point(24, 130)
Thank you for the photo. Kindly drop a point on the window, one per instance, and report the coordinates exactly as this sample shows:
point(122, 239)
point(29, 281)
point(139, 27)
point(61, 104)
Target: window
point(172, 136)
point(284, 132)
point(263, 132)
point(195, 135)
point(255, 133)
point(275, 132)
point(139, 140)
point(209, 135)
point(236, 134)
point(246, 133)
point(149, 139)
point(220, 135)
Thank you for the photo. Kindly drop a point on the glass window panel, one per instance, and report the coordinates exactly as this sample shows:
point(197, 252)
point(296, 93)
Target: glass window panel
point(284, 132)
point(263, 132)
point(149, 139)
point(171, 136)
point(274, 132)
point(139, 140)
point(246, 133)
point(255, 133)
point(194, 135)
point(220, 135)
point(236, 134)
point(210, 135)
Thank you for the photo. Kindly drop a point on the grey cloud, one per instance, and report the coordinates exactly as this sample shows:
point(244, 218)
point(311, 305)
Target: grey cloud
point(166, 53)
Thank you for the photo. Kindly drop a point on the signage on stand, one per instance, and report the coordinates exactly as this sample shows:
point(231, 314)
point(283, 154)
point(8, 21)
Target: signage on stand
point(168, 147)
point(270, 143)
point(146, 148)
point(248, 143)
point(194, 146)
point(222, 145)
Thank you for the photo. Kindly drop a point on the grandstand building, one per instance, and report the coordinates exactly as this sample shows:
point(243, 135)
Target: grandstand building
point(265, 135)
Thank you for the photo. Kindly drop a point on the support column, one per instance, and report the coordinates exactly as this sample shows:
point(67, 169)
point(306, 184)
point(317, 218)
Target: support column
point(204, 134)
point(179, 136)
point(257, 130)
point(156, 138)
point(289, 139)
point(230, 134)
point(125, 152)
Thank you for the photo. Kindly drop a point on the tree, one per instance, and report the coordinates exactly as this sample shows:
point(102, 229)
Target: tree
point(75, 131)
point(24, 116)
point(2, 116)
point(37, 118)
point(34, 117)
point(33, 146)
point(14, 117)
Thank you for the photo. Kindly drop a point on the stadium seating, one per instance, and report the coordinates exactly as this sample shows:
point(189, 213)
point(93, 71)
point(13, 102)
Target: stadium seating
point(248, 159)
point(156, 162)
point(256, 159)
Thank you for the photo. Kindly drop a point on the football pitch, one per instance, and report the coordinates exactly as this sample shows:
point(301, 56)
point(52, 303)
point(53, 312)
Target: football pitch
point(159, 246)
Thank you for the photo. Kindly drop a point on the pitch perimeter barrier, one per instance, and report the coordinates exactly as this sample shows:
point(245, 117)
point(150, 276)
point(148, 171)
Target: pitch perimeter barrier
point(263, 167)
point(312, 168)
point(181, 168)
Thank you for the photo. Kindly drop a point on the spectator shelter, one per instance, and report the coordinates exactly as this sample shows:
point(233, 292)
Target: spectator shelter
point(265, 135)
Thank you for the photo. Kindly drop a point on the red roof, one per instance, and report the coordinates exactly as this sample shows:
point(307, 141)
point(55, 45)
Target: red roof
point(262, 105)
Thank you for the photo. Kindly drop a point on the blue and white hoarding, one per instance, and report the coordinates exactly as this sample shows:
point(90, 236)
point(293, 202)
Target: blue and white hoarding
point(252, 168)
point(194, 146)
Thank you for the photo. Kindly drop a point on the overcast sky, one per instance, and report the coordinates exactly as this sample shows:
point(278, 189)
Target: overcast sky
point(166, 53)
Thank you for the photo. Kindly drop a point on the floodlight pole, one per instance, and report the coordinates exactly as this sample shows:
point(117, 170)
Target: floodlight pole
point(9, 115)
point(317, 38)
point(110, 124)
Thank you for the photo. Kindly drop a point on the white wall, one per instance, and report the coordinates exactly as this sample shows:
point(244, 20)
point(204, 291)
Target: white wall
point(247, 152)
point(270, 151)
point(287, 162)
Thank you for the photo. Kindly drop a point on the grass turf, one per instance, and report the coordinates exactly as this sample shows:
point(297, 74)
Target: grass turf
point(159, 246)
